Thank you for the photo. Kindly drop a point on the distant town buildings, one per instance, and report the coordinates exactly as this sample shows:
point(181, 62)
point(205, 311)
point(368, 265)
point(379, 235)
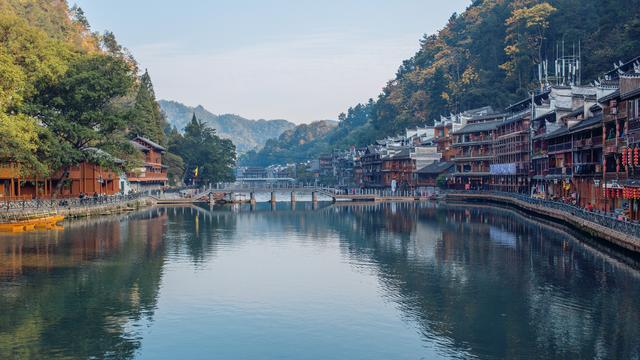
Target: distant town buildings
point(567, 142)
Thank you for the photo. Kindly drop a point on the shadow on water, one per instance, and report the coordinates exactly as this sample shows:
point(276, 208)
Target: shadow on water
point(476, 281)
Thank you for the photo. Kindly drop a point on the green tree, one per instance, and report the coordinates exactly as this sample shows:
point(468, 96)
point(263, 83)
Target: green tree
point(201, 149)
point(147, 117)
point(526, 33)
point(80, 111)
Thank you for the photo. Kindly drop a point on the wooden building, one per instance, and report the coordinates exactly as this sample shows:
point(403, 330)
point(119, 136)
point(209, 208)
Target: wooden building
point(371, 168)
point(153, 175)
point(511, 163)
point(474, 144)
point(85, 178)
point(427, 177)
point(399, 167)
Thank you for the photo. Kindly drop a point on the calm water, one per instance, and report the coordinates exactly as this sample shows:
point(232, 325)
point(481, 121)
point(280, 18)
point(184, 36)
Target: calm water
point(387, 281)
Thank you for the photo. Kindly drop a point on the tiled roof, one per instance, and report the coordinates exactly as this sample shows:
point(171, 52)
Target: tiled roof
point(150, 143)
point(436, 168)
point(477, 127)
point(403, 154)
point(611, 96)
point(587, 123)
point(139, 146)
point(558, 132)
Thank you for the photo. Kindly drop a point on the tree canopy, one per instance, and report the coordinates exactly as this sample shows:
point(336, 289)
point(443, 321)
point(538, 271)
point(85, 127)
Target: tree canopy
point(66, 92)
point(487, 55)
point(207, 157)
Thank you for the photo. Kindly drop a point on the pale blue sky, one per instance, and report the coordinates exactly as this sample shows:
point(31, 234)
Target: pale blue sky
point(298, 60)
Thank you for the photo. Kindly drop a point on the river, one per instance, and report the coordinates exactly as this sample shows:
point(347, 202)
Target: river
point(377, 281)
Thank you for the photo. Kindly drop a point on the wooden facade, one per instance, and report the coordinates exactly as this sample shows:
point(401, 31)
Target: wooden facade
point(85, 178)
point(153, 175)
point(474, 144)
point(400, 168)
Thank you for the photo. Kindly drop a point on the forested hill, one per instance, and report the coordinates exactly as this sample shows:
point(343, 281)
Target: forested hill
point(69, 95)
point(488, 55)
point(244, 133)
point(295, 145)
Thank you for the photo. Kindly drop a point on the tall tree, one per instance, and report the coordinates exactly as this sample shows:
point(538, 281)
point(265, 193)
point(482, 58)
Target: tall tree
point(526, 33)
point(208, 158)
point(147, 118)
point(80, 110)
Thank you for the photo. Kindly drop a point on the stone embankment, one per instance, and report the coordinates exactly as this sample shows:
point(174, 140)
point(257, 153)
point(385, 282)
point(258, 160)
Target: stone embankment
point(105, 209)
point(612, 233)
point(74, 208)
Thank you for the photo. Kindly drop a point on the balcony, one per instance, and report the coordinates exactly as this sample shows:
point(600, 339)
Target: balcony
point(634, 124)
point(587, 169)
point(567, 146)
point(9, 171)
point(561, 171)
point(474, 156)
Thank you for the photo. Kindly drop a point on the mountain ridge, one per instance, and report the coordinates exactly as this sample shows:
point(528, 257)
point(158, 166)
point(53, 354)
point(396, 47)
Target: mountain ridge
point(246, 134)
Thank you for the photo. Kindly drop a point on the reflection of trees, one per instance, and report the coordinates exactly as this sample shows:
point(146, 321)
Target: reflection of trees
point(78, 290)
point(198, 232)
point(492, 283)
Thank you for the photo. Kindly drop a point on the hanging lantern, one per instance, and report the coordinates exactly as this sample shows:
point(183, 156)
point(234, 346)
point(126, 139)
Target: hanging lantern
point(624, 157)
point(630, 156)
point(636, 156)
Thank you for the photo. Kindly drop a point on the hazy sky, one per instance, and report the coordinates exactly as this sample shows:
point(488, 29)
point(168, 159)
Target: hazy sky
point(293, 59)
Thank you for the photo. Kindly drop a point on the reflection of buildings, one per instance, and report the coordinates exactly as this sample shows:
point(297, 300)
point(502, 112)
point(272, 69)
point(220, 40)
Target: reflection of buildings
point(81, 286)
point(493, 284)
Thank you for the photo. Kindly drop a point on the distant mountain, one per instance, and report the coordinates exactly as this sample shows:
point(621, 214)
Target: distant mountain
point(246, 134)
point(295, 145)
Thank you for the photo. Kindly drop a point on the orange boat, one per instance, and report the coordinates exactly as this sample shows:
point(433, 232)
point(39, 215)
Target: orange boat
point(44, 222)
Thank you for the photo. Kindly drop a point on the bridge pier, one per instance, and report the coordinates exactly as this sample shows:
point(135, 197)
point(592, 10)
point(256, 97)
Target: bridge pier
point(314, 197)
point(252, 196)
point(293, 197)
point(273, 197)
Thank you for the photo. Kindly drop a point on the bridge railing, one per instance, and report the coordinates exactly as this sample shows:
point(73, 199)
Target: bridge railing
point(321, 189)
point(274, 187)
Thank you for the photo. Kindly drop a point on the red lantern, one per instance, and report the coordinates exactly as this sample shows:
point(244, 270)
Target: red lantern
point(624, 157)
point(636, 156)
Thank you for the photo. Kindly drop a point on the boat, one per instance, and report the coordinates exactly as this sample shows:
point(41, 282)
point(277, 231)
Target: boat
point(32, 222)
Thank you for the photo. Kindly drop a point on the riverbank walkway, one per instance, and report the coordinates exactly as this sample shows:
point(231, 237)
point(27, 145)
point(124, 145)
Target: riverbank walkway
point(623, 233)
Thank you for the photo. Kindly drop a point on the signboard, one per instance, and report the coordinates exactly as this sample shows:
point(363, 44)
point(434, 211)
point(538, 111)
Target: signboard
point(502, 169)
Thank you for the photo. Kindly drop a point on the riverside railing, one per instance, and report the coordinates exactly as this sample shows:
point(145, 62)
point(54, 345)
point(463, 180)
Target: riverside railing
point(605, 219)
point(53, 204)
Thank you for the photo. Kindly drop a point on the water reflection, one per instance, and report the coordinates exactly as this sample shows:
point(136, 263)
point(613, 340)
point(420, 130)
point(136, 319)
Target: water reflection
point(359, 281)
point(73, 294)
